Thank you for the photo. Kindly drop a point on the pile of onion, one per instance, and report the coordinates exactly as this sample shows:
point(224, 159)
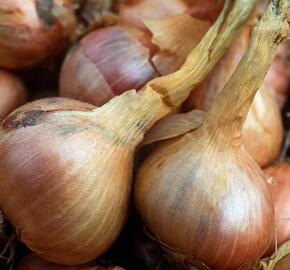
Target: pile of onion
point(201, 196)
point(69, 164)
point(33, 30)
point(12, 92)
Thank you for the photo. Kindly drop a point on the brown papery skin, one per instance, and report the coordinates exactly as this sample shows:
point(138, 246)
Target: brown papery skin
point(279, 187)
point(12, 92)
point(263, 129)
point(134, 11)
point(32, 262)
point(106, 63)
point(30, 31)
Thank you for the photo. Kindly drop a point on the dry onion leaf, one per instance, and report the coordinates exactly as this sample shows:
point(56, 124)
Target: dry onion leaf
point(279, 260)
point(175, 36)
point(174, 126)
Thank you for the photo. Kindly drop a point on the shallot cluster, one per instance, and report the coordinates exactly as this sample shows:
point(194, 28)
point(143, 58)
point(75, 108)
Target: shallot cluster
point(141, 134)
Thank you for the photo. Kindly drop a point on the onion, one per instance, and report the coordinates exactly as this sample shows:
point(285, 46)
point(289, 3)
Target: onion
point(69, 166)
point(111, 60)
point(33, 30)
point(105, 63)
point(263, 130)
point(32, 262)
point(200, 195)
point(279, 187)
point(12, 92)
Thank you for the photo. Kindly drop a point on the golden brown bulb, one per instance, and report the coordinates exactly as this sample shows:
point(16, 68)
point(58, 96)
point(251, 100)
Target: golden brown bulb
point(204, 203)
point(71, 201)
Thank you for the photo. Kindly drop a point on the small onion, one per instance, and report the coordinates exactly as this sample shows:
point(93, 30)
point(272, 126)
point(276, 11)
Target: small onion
point(32, 262)
point(279, 185)
point(33, 30)
point(12, 91)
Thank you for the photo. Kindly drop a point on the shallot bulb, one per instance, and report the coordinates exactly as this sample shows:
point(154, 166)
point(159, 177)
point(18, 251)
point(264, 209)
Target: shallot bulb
point(279, 184)
point(32, 262)
point(69, 164)
point(12, 91)
point(109, 61)
point(263, 130)
point(33, 30)
point(105, 63)
point(201, 195)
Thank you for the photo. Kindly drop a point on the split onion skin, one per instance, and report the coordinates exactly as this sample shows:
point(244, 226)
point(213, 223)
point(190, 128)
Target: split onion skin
point(31, 32)
point(279, 187)
point(12, 91)
point(32, 262)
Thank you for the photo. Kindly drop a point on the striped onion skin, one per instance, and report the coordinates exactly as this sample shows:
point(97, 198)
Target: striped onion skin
point(205, 204)
point(107, 62)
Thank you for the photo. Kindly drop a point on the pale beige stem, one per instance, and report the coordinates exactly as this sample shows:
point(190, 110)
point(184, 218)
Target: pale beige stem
point(229, 111)
point(131, 114)
point(176, 87)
